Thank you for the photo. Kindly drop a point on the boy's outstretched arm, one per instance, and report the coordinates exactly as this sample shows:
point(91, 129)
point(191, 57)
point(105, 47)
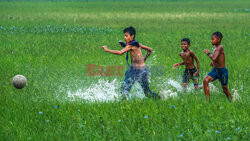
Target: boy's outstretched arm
point(215, 55)
point(197, 62)
point(127, 48)
point(178, 64)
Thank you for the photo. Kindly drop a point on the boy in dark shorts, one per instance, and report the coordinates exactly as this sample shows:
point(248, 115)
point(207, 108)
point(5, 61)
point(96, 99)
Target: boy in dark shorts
point(137, 71)
point(188, 58)
point(218, 62)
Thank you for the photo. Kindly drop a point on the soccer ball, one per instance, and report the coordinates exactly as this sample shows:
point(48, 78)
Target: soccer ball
point(19, 81)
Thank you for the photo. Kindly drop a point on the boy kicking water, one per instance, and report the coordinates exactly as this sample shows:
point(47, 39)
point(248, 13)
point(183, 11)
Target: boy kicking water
point(137, 71)
point(218, 62)
point(188, 58)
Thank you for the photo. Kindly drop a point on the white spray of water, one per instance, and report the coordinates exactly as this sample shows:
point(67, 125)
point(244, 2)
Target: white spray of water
point(165, 94)
point(104, 91)
point(175, 84)
point(213, 88)
point(100, 91)
point(236, 96)
point(171, 87)
point(168, 92)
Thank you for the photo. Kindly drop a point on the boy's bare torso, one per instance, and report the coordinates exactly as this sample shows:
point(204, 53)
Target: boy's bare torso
point(188, 59)
point(220, 61)
point(137, 57)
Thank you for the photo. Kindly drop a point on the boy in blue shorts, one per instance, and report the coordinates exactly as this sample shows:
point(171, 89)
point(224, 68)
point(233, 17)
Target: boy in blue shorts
point(137, 71)
point(218, 62)
point(188, 58)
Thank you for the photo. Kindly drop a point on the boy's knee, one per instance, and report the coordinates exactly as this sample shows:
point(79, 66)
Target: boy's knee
point(196, 87)
point(205, 81)
point(225, 88)
point(184, 85)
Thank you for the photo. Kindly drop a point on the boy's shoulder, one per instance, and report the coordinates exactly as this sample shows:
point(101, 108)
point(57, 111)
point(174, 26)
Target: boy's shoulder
point(134, 43)
point(190, 51)
point(221, 46)
point(218, 48)
point(181, 53)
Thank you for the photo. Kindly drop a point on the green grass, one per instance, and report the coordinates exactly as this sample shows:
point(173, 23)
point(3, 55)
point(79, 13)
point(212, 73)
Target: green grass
point(51, 42)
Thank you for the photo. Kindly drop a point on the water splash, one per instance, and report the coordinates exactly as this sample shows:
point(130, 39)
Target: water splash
point(166, 94)
point(175, 84)
point(213, 88)
point(100, 91)
point(104, 91)
point(236, 95)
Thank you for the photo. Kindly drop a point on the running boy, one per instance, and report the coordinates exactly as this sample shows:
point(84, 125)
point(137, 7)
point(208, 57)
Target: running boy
point(218, 62)
point(188, 57)
point(137, 71)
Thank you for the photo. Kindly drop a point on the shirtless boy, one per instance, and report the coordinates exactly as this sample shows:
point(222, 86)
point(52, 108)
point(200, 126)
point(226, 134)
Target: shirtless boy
point(188, 58)
point(218, 62)
point(137, 71)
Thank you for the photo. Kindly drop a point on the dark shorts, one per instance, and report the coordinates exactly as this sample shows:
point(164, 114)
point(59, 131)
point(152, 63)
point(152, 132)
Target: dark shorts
point(221, 74)
point(141, 76)
point(189, 74)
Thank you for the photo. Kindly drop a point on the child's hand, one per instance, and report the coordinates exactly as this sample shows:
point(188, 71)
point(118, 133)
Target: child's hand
point(148, 53)
point(104, 47)
point(207, 51)
point(150, 49)
point(196, 73)
point(176, 65)
point(212, 64)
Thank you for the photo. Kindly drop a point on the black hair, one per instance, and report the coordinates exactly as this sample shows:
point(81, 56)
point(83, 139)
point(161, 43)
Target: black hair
point(130, 30)
point(218, 35)
point(186, 40)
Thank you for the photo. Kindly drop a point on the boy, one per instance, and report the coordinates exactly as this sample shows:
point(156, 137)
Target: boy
point(218, 62)
point(137, 71)
point(188, 57)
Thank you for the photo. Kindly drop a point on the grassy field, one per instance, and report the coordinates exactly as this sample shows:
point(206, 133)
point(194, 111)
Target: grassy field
point(52, 42)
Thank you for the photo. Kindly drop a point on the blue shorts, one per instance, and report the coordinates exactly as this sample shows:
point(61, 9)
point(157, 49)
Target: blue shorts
point(189, 74)
point(139, 75)
point(221, 74)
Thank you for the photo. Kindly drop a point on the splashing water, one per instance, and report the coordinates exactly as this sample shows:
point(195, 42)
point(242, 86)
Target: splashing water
point(236, 96)
point(175, 84)
point(165, 94)
point(170, 86)
point(104, 91)
point(101, 91)
point(213, 88)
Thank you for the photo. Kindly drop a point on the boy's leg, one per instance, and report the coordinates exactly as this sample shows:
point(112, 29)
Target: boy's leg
point(206, 81)
point(143, 80)
point(185, 78)
point(194, 78)
point(211, 76)
point(226, 91)
point(224, 82)
point(185, 85)
point(196, 82)
point(127, 84)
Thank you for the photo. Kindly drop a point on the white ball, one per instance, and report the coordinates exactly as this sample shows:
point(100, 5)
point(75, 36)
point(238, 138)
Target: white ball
point(19, 81)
